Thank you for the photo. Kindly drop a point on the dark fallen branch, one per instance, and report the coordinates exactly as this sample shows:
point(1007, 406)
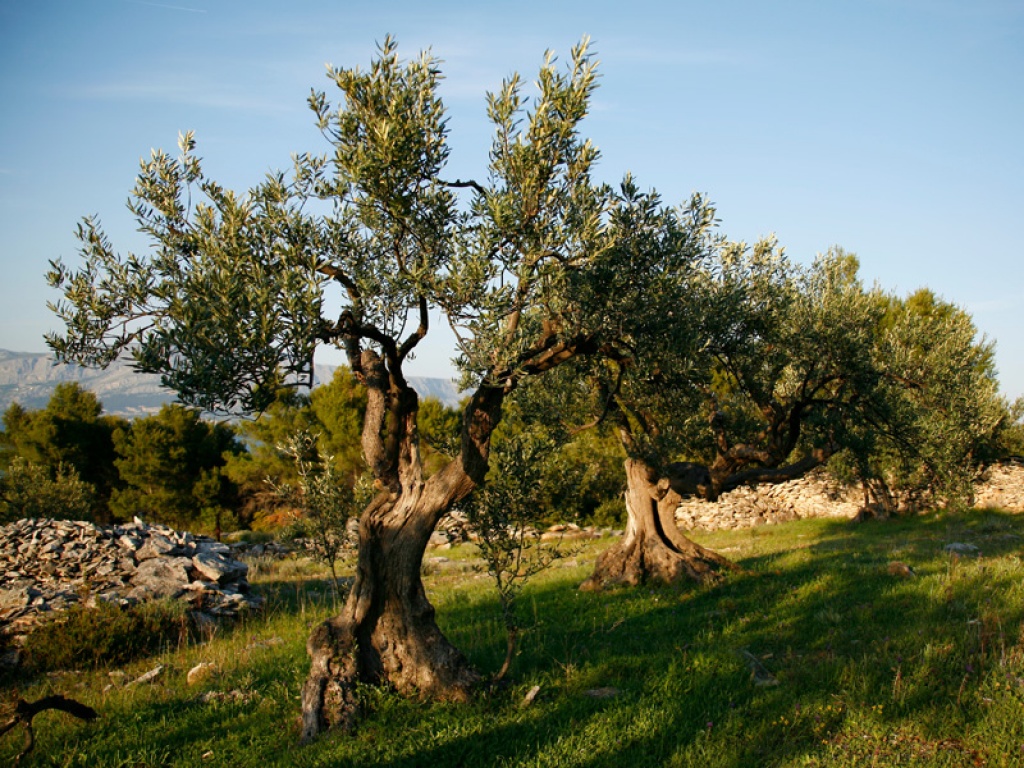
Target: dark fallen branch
point(24, 711)
point(758, 672)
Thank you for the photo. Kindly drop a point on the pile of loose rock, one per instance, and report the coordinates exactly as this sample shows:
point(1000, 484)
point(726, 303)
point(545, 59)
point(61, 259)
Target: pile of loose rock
point(1002, 486)
point(819, 495)
point(50, 565)
point(814, 495)
point(455, 529)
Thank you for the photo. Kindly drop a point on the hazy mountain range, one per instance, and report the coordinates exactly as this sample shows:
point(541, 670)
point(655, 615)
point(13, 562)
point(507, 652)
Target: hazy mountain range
point(30, 378)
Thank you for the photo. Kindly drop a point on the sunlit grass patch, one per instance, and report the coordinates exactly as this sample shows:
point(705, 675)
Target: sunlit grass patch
point(815, 654)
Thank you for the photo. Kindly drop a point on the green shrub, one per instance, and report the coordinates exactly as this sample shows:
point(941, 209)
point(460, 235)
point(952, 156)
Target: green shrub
point(106, 634)
point(32, 490)
point(610, 513)
point(252, 537)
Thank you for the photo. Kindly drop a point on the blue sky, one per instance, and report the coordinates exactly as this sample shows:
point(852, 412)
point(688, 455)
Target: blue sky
point(893, 128)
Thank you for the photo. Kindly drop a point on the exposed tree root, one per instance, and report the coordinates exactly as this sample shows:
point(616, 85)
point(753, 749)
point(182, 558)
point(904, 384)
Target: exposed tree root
point(653, 549)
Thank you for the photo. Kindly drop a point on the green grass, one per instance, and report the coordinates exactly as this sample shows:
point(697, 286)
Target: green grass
point(873, 669)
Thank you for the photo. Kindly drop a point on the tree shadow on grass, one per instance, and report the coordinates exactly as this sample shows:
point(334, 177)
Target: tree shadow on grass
point(657, 676)
point(836, 629)
point(839, 631)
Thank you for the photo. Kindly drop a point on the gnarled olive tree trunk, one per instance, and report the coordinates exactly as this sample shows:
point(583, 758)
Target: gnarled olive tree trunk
point(652, 548)
point(386, 632)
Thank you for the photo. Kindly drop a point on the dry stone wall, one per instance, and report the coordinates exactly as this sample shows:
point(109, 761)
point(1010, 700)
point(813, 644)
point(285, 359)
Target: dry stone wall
point(817, 495)
point(1002, 486)
point(50, 565)
point(814, 495)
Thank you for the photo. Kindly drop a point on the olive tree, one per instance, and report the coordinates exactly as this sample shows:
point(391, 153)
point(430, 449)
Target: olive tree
point(936, 415)
point(229, 304)
point(810, 366)
point(501, 517)
point(760, 366)
point(644, 385)
point(333, 411)
point(788, 365)
point(324, 500)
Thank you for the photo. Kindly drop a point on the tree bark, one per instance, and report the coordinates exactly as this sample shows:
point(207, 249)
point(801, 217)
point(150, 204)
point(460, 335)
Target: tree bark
point(653, 549)
point(386, 632)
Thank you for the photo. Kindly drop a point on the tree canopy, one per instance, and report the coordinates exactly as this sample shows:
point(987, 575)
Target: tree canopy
point(170, 466)
point(71, 434)
point(229, 304)
point(536, 267)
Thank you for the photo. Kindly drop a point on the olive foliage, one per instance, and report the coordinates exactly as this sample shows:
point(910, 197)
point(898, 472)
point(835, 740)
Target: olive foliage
point(230, 302)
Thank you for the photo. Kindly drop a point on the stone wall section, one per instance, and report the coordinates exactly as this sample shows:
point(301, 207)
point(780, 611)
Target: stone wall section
point(1002, 486)
point(814, 495)
point(818, 495)
point(47, 566)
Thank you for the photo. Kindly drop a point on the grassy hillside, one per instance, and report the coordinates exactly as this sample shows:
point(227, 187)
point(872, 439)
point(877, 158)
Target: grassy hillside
point(823, 652)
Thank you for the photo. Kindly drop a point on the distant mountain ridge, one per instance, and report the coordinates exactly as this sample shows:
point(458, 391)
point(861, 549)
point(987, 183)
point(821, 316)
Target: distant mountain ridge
point(30, 378)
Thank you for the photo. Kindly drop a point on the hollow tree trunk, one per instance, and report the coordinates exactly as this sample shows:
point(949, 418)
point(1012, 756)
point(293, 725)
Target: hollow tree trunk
point(386, 632)
point(653, 549)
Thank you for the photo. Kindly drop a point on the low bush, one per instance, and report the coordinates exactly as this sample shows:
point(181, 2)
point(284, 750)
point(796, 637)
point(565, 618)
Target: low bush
point(33, 490)
point(252, 537)
point(610, 513)
point(106, 634)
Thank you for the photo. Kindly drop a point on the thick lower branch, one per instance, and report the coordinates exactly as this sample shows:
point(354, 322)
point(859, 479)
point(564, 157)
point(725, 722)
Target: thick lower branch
point(25, 711)
point(773, 475)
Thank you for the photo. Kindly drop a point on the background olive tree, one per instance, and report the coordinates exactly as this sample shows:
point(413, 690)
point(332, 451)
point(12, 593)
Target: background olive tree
point(502, 518)
point(935, 416)
point(325, 501)
point(334, 411)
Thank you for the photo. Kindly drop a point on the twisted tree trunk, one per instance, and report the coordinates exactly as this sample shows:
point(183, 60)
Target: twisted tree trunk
point(386, 632)
point(652, 548)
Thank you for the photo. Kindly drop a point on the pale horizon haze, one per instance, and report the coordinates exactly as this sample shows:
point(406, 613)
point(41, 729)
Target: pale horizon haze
point(893, 129)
